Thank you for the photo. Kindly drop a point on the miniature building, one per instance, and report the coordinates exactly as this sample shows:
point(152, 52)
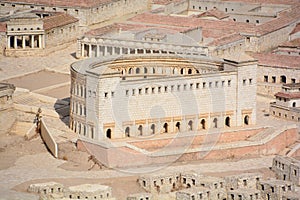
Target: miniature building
point(243, 194)
point(140, 196)
point(195, 193)
point(274, 189)
point(89, 191)
point(122, 39)
point(246, 180)
point(46, 188)
point(287, 104)
point(88, 12)
point(31, 33)
point(160, 183)
point(287, 168)
point(104, 85)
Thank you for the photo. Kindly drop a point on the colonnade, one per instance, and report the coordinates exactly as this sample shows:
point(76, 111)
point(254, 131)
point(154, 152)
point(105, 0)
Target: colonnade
point(25, 41)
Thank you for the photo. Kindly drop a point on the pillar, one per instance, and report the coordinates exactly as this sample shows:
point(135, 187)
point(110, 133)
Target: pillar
point(90, 50)
point(40, 41)
point(98, 51)
point(8, 42)
point(23, 42)
point(82, 50)
point(144, 51)
point(113, 50)
point(121, 50)
point(43, 41)
point(105, 50)
point(128, 50)
point(135, 51)
point(32, 41)
point(15, 42)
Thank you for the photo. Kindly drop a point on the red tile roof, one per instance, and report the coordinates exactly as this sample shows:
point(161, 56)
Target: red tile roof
point(57, 20)
point(292, 95)
point(67, 3)
point(2, 27)
point(211, 28)
point(293, 43)
point(275, 60)
point(213, 13)
point(165, 2)
point(296, 29)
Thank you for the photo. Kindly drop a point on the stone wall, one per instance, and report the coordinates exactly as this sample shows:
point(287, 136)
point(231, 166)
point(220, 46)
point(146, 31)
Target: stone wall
point(48, 139)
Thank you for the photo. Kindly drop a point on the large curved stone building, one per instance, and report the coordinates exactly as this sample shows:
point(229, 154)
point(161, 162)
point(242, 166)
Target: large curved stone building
point(134, 96)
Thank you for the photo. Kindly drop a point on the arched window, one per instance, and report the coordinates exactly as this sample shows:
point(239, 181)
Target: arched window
point(282, 79)
point(127, 132)
point(203, 123)
point(145, 70)
point(140, 129)
point(215, 123)
point(178, 126)
point(294, 104)
point(153, 128)
point(108, 133)
point(190, 125)
point(227, 121)
point(130, 71)
point(246, 120)
point(190, 71)
point(137, 70)
point(182, 71)
point(153, 70)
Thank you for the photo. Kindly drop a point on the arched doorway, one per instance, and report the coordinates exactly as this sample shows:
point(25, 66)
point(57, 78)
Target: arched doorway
point(227, 121)
point(165, 127)
point(203, 124)
point(177, 126)
point(215, 123)
point(127, 132)
point(190, 125)
point(140, 129)
point(108, 133)
point(153, 128)
point(246, 120)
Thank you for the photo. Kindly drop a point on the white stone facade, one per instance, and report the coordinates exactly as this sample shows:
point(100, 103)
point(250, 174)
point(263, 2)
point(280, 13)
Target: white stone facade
point(142, 96)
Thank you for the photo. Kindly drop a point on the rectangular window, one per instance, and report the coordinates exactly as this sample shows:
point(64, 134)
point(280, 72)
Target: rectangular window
point(133, 92)
point(105, 94)
point(127, 92)
point(172, 88)
point(112, 94)
point(140, 91)
point(204, 84)
point(159, 89)
point(210, 84)
point(250, 81)
point(191, 85)
point(153, 90)
point(293, 80)
point(244, 82)
point(178, 87)
point(197, 85)
point(266, 79)
point(166, 88)
point(216, 84)
point(146, 90)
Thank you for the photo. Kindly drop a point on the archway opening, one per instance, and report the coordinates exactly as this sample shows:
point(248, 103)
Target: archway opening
point(283, 79)
point(153, 128)
point(181, 71)
point(165, 127)
point(246, 120)
point(137, 71)
point(190, 125)
point(178, 126)
point(203, 124)
point(140, 129)
point(108, 133)
point(127, 132)
point(130, 71)
point(227, 121)
point(215, 123)
point(294, 104)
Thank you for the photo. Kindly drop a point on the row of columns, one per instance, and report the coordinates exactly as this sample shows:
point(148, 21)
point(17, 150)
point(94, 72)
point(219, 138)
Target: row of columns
point(122, 51)
point(12, 41)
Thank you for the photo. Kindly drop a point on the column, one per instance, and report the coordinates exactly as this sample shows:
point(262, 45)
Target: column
point(15, 42)
point(23, 42)
point(128, 50)
point(105, 50)
point(8, 42)
point(82, 50)
point(144, 51)
point(113, 50)
point(32, 41)
point(121, 50)
point(151, 51)
point(43, 41)
point(98, 51)
point(40, 41)
point(90, 50)
point(135, 51)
